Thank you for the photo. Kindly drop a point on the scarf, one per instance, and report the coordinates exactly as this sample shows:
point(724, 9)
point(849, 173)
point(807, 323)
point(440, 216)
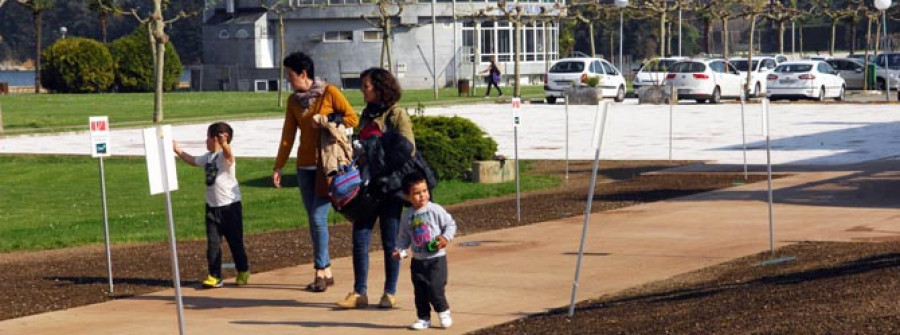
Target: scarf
point(374, 110)
point(308, 98)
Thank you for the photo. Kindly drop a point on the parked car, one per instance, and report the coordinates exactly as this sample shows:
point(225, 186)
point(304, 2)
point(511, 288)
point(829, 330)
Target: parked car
point(862, 57)
point(567, 72)
point(653, 72)
point(893, 65)
point(780, 58)
point(808, 79)
point(761, 67)
point(853, 72)
point(705, 80)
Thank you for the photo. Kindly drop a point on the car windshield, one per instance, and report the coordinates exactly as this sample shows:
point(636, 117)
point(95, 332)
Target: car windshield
point(567, 67)
point(893, 61)
point(688, 67)
point(793, 68)
point(658, 66)
point(741, 65)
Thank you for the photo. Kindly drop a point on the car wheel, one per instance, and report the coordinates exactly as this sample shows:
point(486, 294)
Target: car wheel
point(821, 96)
point(840, 96)
point(757, 91)
point(716, 96)
point(879, 84)
point(620, 95)
point(551, 100)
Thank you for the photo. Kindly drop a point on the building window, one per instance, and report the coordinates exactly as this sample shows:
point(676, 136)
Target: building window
point(372, 35)
point(338, 36)
point(539, 40)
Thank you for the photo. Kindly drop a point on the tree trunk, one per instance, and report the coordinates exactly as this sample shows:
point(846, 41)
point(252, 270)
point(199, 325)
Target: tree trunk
point(158, 36)
point(833, 33)
point(38, 23)
point(281, 62)
point(866, 58)
point(781, 30)
point(517, 44)
point(476, 56)
point(801, 39)
point(853, 36)
point(387, 45)
point(104, 18)
point(662, 34)
point(708, 36)
point(750, 68)
point(725, 38)
point(591, 31)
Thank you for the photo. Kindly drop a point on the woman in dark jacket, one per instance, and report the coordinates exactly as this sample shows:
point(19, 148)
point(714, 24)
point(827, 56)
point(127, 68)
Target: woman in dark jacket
point(388, 126)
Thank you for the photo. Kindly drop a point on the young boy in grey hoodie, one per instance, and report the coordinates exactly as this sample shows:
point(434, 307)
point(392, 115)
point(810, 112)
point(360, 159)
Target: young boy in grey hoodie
point(427, 228)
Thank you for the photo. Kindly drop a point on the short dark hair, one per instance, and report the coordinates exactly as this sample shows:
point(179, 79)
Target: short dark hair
point(412, 179)
point(386, 86)
point(298, 62)
point(218, 128)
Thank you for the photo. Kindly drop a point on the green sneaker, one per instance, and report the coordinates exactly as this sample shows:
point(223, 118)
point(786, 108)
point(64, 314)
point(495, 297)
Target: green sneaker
point(242, 278)
point(212, 282)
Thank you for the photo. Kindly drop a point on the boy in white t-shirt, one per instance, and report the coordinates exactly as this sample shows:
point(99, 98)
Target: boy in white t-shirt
point(224, 214)
point(427, 229)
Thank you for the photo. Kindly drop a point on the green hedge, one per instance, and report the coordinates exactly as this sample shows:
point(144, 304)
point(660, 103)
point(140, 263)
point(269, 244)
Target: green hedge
point(134, 56)
point(451, 144)
point(77, 65)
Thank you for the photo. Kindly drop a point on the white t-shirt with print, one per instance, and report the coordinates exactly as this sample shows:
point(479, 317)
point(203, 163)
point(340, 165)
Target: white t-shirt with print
point(224, 189)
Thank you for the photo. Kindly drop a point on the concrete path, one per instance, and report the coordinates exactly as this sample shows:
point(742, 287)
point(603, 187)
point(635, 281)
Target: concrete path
point(504, 275)
point(800, 133)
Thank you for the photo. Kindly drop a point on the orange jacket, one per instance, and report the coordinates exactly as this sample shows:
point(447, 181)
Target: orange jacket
point(298, 118)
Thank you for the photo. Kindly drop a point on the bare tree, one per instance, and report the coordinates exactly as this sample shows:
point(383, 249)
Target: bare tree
point(158, 39)
point(752, 9)
point(385, 21)
point(724, 11)
point(591, 12)
point(660, 9)
point(279, 8)
point(37, 8)
point(836, 12)
point(781, 13)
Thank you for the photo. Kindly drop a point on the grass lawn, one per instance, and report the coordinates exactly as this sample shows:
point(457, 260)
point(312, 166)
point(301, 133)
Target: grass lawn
point(49, 202)
point(33, 113)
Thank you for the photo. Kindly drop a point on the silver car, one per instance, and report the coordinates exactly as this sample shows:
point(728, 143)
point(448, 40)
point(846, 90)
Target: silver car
point(854, 72)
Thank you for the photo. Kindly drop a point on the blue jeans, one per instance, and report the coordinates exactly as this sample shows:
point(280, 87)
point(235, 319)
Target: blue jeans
point(388, 215)
point(317, 213)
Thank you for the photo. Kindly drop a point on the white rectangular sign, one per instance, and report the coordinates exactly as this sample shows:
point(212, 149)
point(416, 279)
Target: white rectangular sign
point(99, 136)
point(154, 138)
point(516, 107)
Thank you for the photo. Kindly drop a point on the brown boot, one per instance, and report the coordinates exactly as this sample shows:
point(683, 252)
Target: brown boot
point(354, 300)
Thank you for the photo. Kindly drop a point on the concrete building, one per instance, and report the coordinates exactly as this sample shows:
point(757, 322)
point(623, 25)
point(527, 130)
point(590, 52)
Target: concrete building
point(241, 44)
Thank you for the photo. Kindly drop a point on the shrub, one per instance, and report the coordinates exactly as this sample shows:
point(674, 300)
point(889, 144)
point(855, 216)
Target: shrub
point(451, 144)
point(134, 56)
point(593, 81)
point(77, 65)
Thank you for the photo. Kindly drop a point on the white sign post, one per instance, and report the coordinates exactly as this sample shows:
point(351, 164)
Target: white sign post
point(516, 108)
point(744, 131)
point(163, 179)
point(567, 136)
point(597, 140)
point(99, 126)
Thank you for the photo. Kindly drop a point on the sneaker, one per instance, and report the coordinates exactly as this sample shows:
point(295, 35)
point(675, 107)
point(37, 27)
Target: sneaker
point(242, 278)
point(387, 301)
point(446, 320)
point(420, 325)
point(212, 282)
point(354, 300)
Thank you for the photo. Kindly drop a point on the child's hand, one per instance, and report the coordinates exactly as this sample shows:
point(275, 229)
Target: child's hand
point(223, 139)
point(442, 242)
point(396, 254)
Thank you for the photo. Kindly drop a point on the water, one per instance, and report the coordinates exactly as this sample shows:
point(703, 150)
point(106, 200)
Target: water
point(26, 78)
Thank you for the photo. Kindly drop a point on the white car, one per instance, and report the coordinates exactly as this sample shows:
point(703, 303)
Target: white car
point(761, 67)
point(808, 79)
point(705, 80)
point(568, 72)
point(654, 72)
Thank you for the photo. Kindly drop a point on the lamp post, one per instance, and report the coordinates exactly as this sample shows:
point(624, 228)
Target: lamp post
point(63, 31)
point(621, 4)
point(883, 5)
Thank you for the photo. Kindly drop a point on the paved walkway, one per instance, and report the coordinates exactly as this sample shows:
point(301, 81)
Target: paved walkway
point(504, 275)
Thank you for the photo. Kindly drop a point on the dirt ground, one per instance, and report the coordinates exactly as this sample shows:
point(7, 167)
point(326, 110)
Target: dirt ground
point(818, 293)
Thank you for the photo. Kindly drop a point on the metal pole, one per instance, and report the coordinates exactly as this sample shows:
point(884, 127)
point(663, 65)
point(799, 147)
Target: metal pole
point(567, 136)
point(455, 47)
point(793, 38)
point(744, 132)
point(765, 105)
point(587, 211)
point(679, 31)
point(106, 225)
point(171, 226)
point(621, 37)
point(434, 49)
point(673, 99)
point(518, 195)
point(887, 67)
